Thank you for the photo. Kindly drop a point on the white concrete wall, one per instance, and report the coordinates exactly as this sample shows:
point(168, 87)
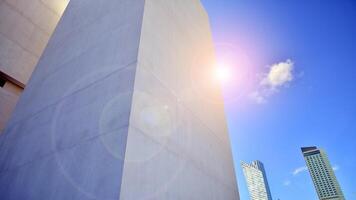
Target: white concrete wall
point(178, 145)
point(25, 28)
point(67, 136)
point(117, 109)
point(8, 101)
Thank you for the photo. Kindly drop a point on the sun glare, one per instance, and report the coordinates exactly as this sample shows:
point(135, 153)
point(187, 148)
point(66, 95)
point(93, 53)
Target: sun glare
point(222, 73)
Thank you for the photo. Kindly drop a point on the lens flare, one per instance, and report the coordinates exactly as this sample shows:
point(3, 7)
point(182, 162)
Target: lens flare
point(222, 73)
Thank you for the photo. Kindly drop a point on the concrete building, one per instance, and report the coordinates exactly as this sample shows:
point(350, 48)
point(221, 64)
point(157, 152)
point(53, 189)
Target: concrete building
point(121, 105)
point(25, 27)
point(256, 180)
point(322, 174)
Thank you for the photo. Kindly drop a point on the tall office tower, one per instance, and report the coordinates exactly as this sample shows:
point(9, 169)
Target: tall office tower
point(122, 105)
point(322, 174)
point(256, 179)
point(25, 27)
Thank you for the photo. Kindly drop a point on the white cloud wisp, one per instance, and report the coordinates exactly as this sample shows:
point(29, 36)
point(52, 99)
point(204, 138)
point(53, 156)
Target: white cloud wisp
point(279, 75)
point(299, 170)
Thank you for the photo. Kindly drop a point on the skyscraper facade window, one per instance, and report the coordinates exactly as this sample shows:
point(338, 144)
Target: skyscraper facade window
point(322, 174)
point(256, 179)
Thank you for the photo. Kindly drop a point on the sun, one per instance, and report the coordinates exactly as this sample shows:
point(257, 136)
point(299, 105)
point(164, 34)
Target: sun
point(222, 73)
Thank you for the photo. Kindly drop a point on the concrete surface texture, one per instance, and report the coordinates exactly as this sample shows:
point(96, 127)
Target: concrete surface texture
point(8, 101)
point(122, 105)
point(25, 28)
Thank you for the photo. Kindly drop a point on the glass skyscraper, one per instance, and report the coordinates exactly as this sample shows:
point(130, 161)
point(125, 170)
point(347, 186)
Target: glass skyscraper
point(322, 174)
point(256, 179)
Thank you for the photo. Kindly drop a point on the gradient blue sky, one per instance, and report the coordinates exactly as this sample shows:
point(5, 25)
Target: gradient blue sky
point(318, 107)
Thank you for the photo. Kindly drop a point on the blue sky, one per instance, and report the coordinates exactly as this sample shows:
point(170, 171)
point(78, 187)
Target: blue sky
point(313, 104)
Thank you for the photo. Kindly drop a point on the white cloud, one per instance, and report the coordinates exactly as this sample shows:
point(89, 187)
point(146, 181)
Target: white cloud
point(257, 97)
point(287, 183)
point(279, 75)
point(299, 170)
point(336, 168)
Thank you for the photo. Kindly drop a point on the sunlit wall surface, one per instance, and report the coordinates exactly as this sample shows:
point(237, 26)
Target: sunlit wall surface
point(178, 146)
point(123, 104)
point(25, 27)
